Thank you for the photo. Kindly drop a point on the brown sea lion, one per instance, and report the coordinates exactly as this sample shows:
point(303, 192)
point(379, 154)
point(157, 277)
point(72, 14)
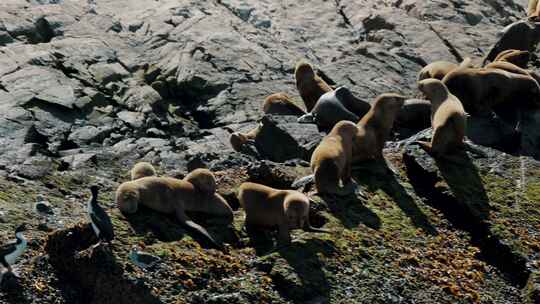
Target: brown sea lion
point(517, 57)
point(513, 68)
point(142, 169)
point(331, 160)
point(448, 118)
point(239, 139)
point(269, 208)
point(281, 104)
point(171, 195)
point(310, 86)
point(374, 128)
point(439, 69)
point(533, 10)
point(334, 107)
point(480, 89)
point(203, 179)
point(521, 35)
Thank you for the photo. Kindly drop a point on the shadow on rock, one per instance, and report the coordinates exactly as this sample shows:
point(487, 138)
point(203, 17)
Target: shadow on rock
point(454, 186)
point(13, 289)
point(167, 229)
point(352, 212)
point(93, 272)
point(377, 176)
point(457, 176)
point(299, 276)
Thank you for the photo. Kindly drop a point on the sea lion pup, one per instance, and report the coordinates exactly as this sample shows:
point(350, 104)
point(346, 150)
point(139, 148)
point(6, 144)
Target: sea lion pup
point(439, 69)
point(269, 208)
point(448, 120)
point(521, 35)
point(281, 104)
point(310, 86)
point(142, 169)
point(517, 57)
point(334, 107)
point(239, 139)
point(203, 179)
point(374, 128)
point(171, 195)
point(331, 160)
point(480, 89)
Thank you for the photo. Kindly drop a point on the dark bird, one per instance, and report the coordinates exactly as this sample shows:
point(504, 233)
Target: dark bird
point(10, 252)
point(101, 222)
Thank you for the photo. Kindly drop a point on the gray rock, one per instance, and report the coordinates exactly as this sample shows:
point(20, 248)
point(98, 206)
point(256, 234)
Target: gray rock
point(282, 138)
point(78, 161)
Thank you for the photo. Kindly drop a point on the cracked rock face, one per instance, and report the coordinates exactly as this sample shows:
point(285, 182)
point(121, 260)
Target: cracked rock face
point(99, 72)
point(89, 87)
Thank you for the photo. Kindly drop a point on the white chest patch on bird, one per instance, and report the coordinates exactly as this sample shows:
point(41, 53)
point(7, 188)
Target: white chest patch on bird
point(12, 257)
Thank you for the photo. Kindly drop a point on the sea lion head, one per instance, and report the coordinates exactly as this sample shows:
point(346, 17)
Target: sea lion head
point(388, 103)
point(433, 89)
point(127, 197)
point(346, 129)
point(237, 140)
point(296, 210)
point(304, 70)
point(203, 180)
point(142, 169)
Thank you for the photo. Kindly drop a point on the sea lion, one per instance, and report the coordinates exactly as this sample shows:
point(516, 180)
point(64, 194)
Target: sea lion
point(374, 128)
point(310, 86)
point(203, 179)
point(439, 69)
point(275, 104)
point(281, 104)
point(171, 195)
point(517, 57)
point(334, 107)
point(331, 160)
point(533, 10)
point(269, 208)
point(448, 118)
point(239, 139)
point(142, 169)
point(521, 35)
point(480, 89)
point(513, 68)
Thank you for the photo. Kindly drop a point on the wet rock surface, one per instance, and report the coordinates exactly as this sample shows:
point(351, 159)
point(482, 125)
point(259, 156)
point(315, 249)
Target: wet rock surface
point(88, 88)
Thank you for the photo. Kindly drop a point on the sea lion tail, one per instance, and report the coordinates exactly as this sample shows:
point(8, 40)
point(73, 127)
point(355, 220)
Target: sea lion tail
point(306, 118)
point(202, 233)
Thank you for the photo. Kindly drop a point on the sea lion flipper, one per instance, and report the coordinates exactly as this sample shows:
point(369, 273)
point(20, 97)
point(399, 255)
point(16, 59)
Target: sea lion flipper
point(309, 228)
point(197, 229)
point(200, 231)
point(306, 118)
